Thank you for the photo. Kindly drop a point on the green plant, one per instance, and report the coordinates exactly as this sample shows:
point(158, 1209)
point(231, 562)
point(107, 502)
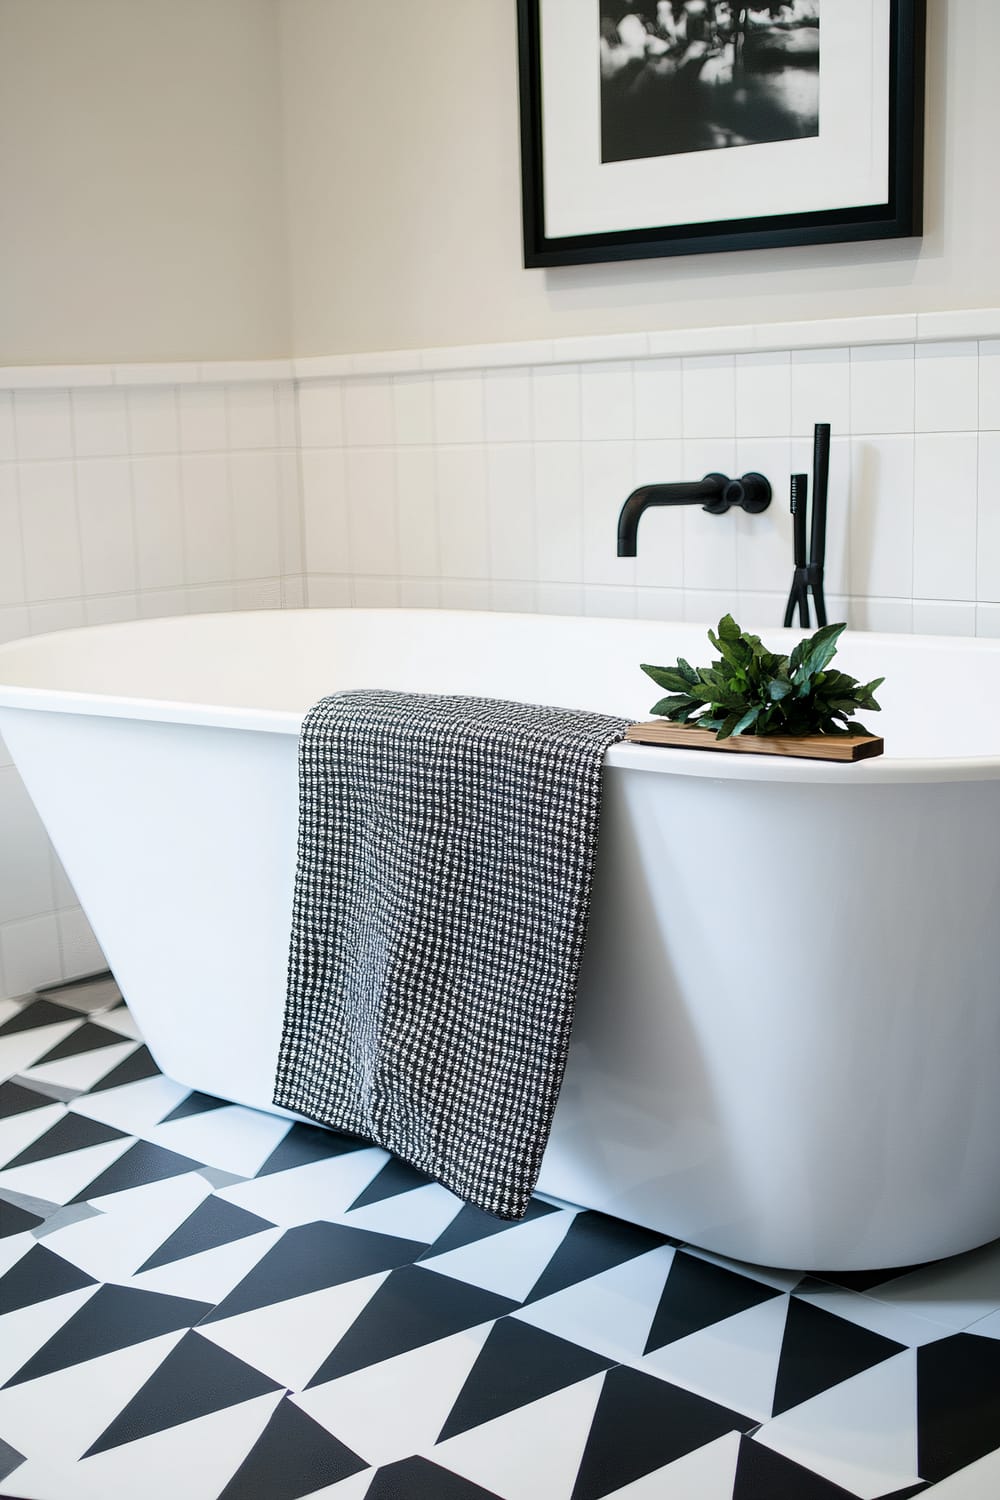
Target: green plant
point(751, 690)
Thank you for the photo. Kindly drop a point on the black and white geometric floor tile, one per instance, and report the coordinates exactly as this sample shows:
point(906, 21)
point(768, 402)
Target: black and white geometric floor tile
point(199, 1299)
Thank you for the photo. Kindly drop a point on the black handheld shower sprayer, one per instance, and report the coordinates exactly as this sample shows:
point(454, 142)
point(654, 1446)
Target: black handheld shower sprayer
point(809, 575)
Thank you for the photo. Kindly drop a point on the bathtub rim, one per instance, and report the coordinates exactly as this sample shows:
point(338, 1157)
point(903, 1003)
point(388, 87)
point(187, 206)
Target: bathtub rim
point(881, 770)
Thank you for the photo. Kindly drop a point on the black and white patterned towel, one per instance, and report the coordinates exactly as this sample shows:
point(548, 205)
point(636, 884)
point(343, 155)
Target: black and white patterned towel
point(446, 851)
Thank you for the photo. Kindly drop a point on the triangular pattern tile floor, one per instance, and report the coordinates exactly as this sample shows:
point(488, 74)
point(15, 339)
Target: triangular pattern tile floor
point(198, 1297)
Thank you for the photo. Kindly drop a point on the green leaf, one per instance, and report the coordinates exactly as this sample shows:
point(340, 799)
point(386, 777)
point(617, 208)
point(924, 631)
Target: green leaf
point(668, 707)
point(728, 629)
point(778, 688)
point(667, 677)
point(750, 717)
point(822, 647)
point(687, 671)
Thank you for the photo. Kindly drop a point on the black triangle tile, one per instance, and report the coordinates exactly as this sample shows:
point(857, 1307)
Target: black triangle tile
point(115, 1317)
point(640, 1425)
point(305, 1144)
point(311, 1257)
point(86, 1038)
point(16, 1220)
point(419, 1479)
point(72, 1133)
point(518, 1364)
point(395, 1177)
point(141, 1164)
point(820, 1350)
point(39, 1013)
point(38, 1276)
point(863, 1281)
point(214, 1222)
point(10, 1460)
point(194, 1104)
point(294, 1456)
point(18, 1098)
point(958, 1403)
point(593, 1243)
point(762, 1474)
point(908, 1494)
point(132, 1069)
point(411, 1308)
point(698, 1294)
point(471, 1224)
point(197, 1377)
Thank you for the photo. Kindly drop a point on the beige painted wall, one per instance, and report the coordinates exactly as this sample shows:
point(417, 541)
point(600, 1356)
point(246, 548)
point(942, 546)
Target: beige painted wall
point(402, 176)
point(140, 183)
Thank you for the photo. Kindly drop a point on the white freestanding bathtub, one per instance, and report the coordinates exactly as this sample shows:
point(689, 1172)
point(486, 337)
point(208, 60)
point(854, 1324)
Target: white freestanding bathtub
point(787, 1046)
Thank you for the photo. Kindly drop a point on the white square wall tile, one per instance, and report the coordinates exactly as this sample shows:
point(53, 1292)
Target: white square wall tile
point(510, 487)
point(321, 420)
point(417, 512)
point(943, 617)
point(324, 509)
point(368, 413)
point(988, 543)
point(881, 538)
point(50, 533)
point(606, 401)
point(821, 390)
point(608, 475)
point(882, 388)
point(56, 614)
point(202, 411)
point(764, 554)
point(558, 514)
point(989, 384)
point(413, 409)
point(709, 541)
point(43, 425)
point(660, 539)
point(8, 447)
point(763, 395)
point(508, 405)
point(107, 538)
point(371, 509)
point(375, 593)
point(462, 511)
point(31, 954)
point(709, 396)
point(290, 513)
point(555, 403)
point(208, 533)
point(81, 952)
point(252, 415)
point(25, 868)
point(100, 423)
point(159, 526)
point(465, 593)
point(256, 523)
point(947, 387)
point(459, 415)
point(111, 609)
point(287, 406)
point(419, 593)
point(154, 425)
point(658, 387)
point(944, 515)
point(512, 597)
point(11, 564)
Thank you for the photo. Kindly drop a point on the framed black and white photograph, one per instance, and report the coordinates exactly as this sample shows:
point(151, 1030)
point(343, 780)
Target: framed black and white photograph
point(671, 127)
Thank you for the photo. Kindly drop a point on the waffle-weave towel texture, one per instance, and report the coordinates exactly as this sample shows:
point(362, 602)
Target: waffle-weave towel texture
point(445, 860)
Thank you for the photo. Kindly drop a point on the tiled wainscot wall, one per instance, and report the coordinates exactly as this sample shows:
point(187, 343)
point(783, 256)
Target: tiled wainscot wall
point(488, 478)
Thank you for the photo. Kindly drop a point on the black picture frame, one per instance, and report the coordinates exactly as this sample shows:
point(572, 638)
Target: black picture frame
point(901, 216)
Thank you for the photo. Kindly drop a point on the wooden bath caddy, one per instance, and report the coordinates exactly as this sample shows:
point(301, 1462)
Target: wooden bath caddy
point(810, 747)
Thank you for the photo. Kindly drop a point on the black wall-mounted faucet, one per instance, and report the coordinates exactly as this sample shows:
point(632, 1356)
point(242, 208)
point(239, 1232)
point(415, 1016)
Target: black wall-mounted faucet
point(715, 493)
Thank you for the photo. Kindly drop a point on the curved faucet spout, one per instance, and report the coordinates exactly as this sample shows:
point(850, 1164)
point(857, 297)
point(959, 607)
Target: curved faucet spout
point(715, 493)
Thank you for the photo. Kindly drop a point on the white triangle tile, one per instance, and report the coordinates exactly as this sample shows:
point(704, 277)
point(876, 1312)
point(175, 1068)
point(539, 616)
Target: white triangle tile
point(535, 1450)
point(611, 1313)
point(707, 1474)
point(980, 1481)
point(12, 1247)
point(122, 1021)
point(84, 1069)
point(22, 1333)
point(988, 1328)
point(23, 1048)
point(20, 1131)
point(879, 1317)
point(423, 1214)
point(954, 1292)
point(355, 1488)
point(290, 1340)
point(60, 1178)
point(391, 1410)
point(233, 1138)
point(734, 1362)
point(113, 1245)
point(508, 1263)
point(135, 1107)
point(210, 1275)
point(321, 1190)
point(87, 1398)
point(195, 1459)
point(861, 1434)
